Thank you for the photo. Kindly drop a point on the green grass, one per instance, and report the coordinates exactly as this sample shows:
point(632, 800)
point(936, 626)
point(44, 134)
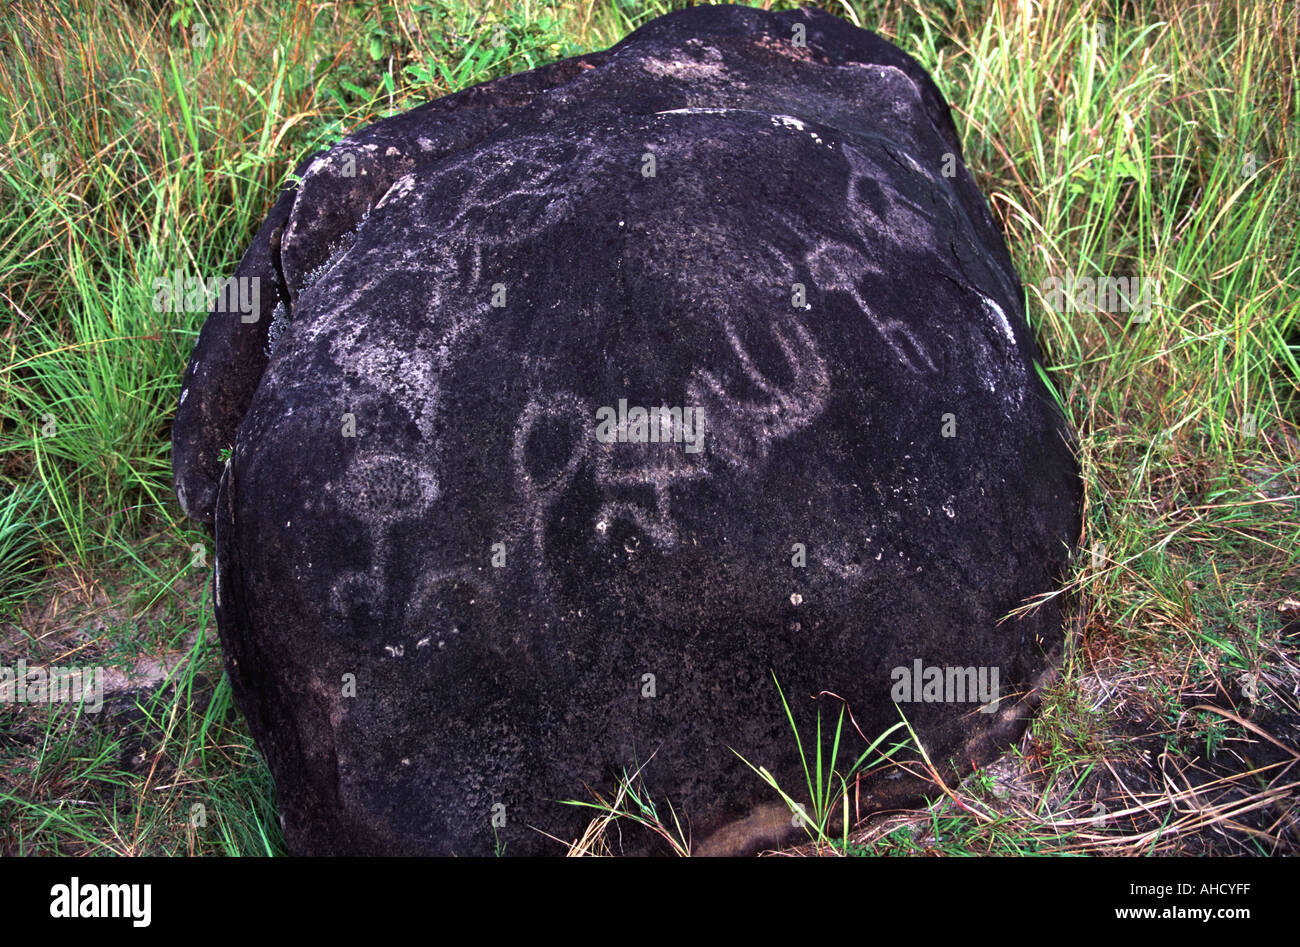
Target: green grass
point(826, 787)
point(632, 802)
point(1137, 138)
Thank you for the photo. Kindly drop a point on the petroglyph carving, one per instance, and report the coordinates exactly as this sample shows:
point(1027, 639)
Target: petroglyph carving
point(744, 431)
point(540, 488)
point(376, 484)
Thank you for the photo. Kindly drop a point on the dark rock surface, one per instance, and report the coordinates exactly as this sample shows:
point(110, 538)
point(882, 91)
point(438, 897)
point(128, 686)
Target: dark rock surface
point(367, 555)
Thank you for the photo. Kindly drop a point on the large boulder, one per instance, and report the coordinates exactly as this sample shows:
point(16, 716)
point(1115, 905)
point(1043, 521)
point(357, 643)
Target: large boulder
point(459, 578)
